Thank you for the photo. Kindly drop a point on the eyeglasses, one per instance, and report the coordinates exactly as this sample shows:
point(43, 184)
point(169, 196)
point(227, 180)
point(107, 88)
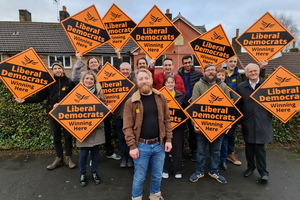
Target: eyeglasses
point(189, 62)
point(210, 70)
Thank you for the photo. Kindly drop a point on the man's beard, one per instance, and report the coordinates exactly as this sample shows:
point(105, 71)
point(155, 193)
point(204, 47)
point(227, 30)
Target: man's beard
point(145, 88)
point(214, 78)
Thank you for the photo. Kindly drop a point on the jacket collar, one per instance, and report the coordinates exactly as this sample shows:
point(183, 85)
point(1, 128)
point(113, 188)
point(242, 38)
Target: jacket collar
point(137, 95)
point(261, 80)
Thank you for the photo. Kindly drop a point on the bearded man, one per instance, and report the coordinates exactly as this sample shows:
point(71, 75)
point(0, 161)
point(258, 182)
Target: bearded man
point(148, 134)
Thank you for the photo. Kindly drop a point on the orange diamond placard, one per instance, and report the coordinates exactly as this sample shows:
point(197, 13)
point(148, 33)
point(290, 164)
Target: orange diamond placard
point(118, 25)
point(177, 114)
point(279, 94)
point(265, 38)
point(212, 47)
point(213, 112)
point(114, 84)
point(80, 112)
point(86, 30)
point(25, 74)
point(155, 33)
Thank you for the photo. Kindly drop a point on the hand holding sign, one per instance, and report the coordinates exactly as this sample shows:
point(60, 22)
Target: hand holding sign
point(78, 55)
point(263, 63)
point(20, 100)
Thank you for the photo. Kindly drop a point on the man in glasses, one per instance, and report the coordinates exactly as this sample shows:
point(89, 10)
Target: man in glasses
point(204, 84)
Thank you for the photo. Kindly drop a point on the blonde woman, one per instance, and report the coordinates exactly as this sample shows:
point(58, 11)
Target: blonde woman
point(91, 143)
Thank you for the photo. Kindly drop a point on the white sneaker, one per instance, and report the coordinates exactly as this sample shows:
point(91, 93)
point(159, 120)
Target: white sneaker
point(165, 175)
point(178, 176)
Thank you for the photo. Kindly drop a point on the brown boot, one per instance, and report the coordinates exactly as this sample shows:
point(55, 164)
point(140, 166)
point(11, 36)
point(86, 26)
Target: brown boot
point(156, 196)
point(57, 162)
point(69, 162)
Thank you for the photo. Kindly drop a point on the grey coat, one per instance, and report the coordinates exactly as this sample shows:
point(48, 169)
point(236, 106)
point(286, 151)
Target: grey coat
point(257, 121)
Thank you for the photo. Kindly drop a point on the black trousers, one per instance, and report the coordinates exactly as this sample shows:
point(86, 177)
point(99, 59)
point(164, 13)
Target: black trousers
point(173, 159)
point(192, 138)
point(107, 128)
point(56, 130)
point(256, 156)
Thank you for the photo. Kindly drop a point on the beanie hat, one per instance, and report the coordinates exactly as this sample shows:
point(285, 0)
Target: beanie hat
point(57, 63)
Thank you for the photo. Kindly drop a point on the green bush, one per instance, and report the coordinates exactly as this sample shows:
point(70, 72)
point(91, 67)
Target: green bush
point(25, 126)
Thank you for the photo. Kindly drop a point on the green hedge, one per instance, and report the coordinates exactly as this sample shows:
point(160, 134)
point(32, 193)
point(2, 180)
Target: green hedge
point(25, 126)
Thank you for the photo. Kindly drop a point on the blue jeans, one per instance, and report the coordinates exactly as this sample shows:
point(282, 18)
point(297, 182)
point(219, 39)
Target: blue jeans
point(231, 140)
point(84, 153)
point(155, 154)
point(214, 147)
point(224, 150)
point(121, 139)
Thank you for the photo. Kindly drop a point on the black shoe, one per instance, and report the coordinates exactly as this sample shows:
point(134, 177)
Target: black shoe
point(223, 166)
point(123, 163)
point(82, 180)
point(248, 172)
point(194, 157)
point(96, 178)
point(265, 178)
point(130, 163)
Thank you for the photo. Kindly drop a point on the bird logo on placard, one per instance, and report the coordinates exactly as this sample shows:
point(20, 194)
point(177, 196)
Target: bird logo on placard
point(155, 19)
point(216, 36)
point(266, 25)
point(214, 98)
point(281, 80)
point(80, 97)
point(114, 16)
point(90, 18)
point(28, 61)
point(108, 74)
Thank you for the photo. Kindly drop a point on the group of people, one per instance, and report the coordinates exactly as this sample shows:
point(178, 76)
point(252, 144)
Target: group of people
point(143, 126)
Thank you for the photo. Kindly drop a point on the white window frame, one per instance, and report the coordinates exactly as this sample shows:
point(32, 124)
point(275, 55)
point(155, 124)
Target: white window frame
point(68, 67)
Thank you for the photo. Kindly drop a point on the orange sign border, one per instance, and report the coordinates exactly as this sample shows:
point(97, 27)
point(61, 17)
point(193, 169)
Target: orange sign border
point(168, 46)
point(187, 117)
point(206, 135)
point(114, 108)
point(125, 42)
point(91, 49)
point(36, 91)
point(276, 115)
point(66, 127)
point(270, 58)
point(201, 64)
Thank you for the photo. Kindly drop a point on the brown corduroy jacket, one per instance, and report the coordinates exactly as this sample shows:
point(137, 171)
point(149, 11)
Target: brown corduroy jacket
point(133, 118)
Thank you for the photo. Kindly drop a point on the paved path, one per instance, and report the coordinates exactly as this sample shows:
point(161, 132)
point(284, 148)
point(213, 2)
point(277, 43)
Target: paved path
point(25, 177)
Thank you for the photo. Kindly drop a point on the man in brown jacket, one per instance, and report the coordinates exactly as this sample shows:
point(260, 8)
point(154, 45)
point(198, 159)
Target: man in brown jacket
point(146, 125)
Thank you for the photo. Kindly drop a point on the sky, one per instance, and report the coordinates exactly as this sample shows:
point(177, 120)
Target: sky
point(232, 14)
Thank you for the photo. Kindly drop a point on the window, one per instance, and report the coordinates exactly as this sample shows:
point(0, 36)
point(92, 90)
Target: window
point(113, 60)
point(195, 61)
point(65, 60)
point(159, 61)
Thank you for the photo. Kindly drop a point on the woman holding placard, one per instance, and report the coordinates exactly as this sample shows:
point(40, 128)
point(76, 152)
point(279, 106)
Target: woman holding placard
point(173, 160)
point(96, 137)
point(93, 64)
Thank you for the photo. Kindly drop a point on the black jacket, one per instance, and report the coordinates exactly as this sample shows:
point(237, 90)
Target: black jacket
point(257, 121)
point(195, 75)
point(55, 92)
point(179, 97)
